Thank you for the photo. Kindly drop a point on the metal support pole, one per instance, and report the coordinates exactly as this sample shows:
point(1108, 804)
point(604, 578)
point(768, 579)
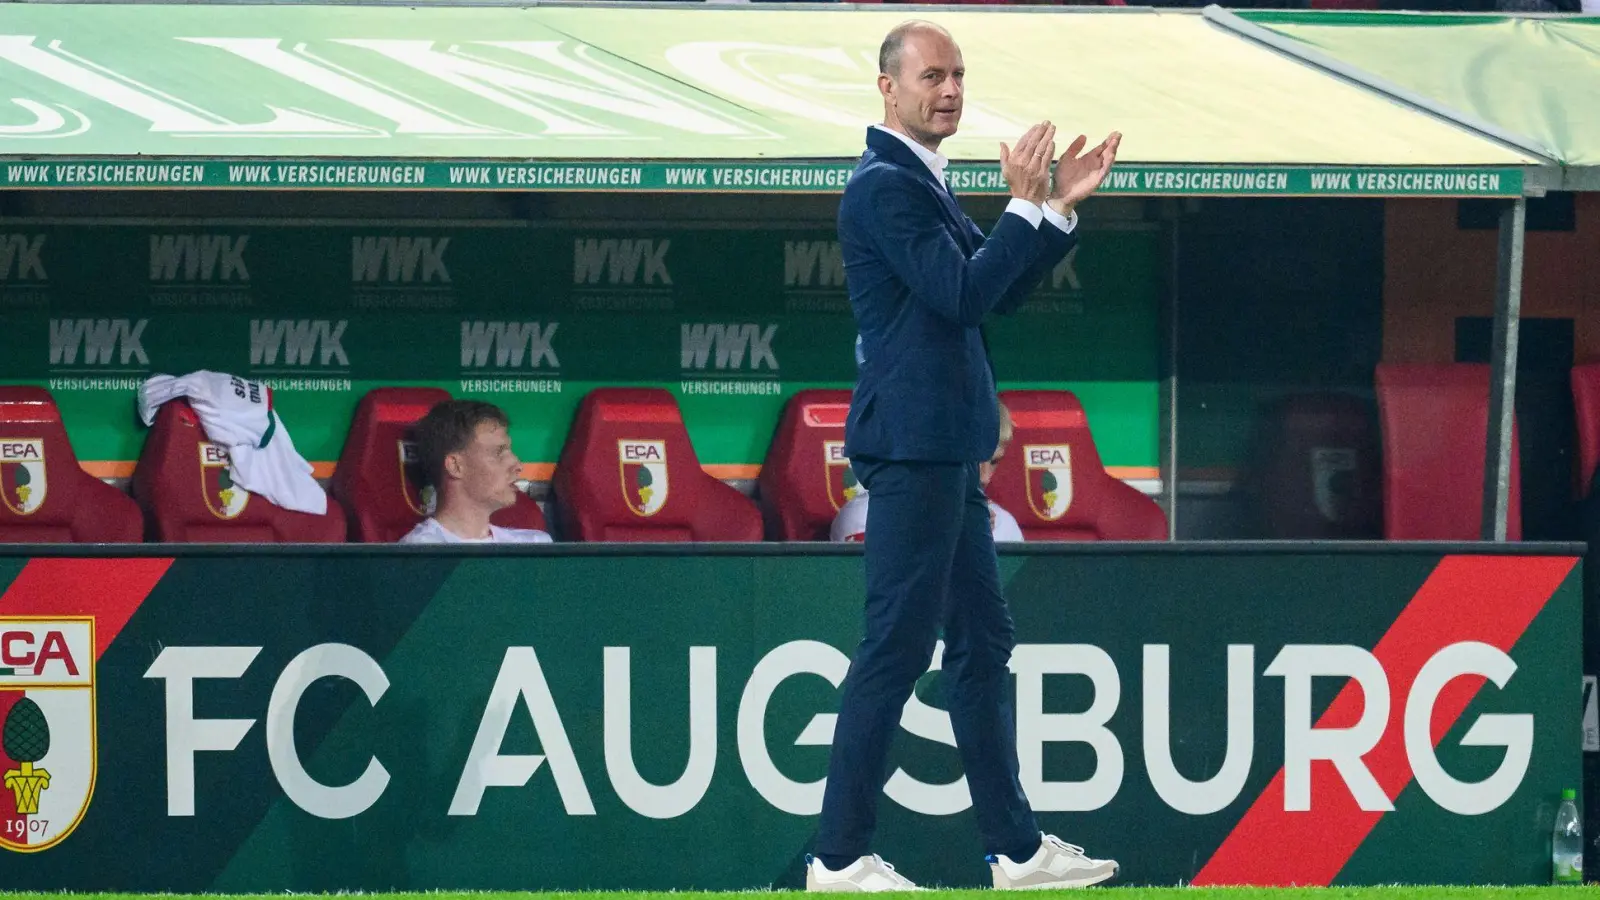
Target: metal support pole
point(1169, 454)
point(1503, 371)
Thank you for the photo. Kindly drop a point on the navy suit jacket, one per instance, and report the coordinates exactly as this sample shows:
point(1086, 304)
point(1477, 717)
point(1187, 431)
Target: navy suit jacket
point(922, 277)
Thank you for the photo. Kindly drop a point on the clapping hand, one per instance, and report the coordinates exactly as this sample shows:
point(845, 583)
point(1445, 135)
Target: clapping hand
point(1079, 176)
point(1026, 168)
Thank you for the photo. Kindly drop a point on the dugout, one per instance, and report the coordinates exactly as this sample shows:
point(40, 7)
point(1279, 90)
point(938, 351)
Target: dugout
point(299, 156)
point(160, 155)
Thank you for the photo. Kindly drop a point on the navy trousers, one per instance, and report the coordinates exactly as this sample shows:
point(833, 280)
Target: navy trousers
point(930, 566)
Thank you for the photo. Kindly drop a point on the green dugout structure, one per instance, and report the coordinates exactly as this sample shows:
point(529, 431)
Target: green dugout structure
point(373, 718)
point(595, 101)
point(1531, 83)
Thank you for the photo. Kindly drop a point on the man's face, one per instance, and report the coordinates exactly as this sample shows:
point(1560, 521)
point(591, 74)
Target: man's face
point(487, 469)
point(927, 93)
point(986, 469)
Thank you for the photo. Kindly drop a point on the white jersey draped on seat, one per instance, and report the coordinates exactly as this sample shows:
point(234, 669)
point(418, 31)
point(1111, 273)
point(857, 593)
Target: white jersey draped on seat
point(238, 414)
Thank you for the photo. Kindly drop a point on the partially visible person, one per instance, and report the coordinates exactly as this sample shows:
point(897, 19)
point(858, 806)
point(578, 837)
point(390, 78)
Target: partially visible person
point(464, 454)
point(1002, 523)
point(850, 525)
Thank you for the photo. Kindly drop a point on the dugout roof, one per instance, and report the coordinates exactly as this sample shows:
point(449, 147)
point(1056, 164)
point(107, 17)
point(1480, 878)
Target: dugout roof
point(1538, 78)
point(306, 96)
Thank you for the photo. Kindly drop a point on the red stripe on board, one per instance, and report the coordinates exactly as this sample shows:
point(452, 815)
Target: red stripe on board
point(111, 590)
point(1491, 599)
point(11, 822)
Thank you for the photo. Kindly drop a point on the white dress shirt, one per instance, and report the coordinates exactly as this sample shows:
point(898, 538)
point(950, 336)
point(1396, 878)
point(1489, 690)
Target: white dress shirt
point(850, 524)
point(429, 531)
point(937, 163)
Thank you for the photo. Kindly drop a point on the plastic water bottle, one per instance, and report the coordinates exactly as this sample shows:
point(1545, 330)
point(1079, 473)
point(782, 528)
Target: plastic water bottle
point(1566, 842)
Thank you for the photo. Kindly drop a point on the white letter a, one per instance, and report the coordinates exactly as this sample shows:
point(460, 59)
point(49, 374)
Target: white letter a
point(520, 678)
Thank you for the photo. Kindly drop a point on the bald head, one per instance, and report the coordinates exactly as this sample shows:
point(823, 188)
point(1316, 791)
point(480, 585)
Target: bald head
point(920, 77)
point(890, 51)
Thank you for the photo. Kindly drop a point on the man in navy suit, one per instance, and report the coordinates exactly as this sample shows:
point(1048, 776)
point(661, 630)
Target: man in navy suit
point(922, 277)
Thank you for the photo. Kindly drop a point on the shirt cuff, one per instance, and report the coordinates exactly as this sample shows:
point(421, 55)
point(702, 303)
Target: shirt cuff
point(1066, 223)
point(1027, 210)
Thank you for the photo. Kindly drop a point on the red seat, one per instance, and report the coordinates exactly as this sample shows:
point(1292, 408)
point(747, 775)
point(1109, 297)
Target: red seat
point(45, 496)
point(182, 483)
point(803, 478)
point(1052, 480)
point(1586, 403)
point(373, 480)
point(1434, 421)
point(628, 473)
point(1315, 471)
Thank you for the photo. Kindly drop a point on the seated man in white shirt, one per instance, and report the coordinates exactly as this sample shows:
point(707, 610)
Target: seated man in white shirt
point(850, 525)
point(464, 453)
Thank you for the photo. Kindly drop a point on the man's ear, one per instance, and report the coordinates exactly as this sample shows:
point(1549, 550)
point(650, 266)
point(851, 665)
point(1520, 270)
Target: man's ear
point(885, 85)
point(452, 465)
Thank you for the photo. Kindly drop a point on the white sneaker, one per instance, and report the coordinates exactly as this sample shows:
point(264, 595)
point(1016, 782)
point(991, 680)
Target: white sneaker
point(867, 875)
point(1057, 864)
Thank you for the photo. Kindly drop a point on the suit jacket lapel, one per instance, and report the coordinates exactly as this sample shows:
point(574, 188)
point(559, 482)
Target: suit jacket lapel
point(955, 218)
point(893, 149)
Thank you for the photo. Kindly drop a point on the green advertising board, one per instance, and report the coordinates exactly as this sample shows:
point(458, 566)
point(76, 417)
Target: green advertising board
point(745, 177)
point(733, 321)
point(649, 718)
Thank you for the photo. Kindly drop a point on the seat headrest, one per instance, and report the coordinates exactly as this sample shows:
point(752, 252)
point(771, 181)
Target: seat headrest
point(183, 482)
point(1586, 400)
point(39, 473)
point(806, 477)
point(1315, 470)
point(45, 496)
point(1435, 420)
point(629, 459)
point(1051, 478)
point(27, 403)
point(183, 473)
point(628, 472)
point(375, 478)
point(1052, 469)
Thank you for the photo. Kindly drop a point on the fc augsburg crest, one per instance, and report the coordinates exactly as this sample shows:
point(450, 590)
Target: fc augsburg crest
point(1048, 468)
point(842, 484)
point(644, 475)
point(420, 501)
point(22, 474)
point(225, 499)
point(47, 729)
point(1332, 476)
